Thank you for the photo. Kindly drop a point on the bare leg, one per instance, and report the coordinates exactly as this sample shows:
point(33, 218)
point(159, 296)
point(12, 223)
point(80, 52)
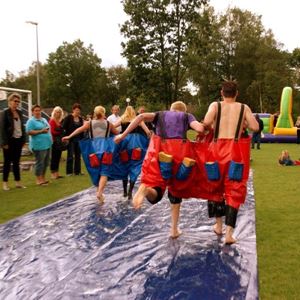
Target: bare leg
point(228, 236)
point(218, 226)
point(142, 192)
point(175, 211)
point(101, 186)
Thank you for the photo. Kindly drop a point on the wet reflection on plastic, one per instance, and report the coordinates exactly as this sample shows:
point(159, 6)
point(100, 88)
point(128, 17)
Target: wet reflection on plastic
point(76, 248)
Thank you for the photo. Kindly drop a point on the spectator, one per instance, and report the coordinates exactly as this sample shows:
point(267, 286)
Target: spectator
point(285, 159)
point(297, 124)
point(13, 138)
point(57, 131)
point(256, 136)
point(70, 124)
point(114, 117)
point(40, 143)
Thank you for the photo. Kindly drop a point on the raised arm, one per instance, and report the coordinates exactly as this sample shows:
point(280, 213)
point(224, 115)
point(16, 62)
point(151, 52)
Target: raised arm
point(146, 117)
point(145, 128)
point(82, 128)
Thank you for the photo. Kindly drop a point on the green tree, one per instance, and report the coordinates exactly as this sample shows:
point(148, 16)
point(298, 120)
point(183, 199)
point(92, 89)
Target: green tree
point(157, 34)
point(75, 75)
point(237, 46)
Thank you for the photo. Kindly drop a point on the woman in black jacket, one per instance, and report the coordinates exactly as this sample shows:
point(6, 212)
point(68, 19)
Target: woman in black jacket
point(70, 124)
point(13, 138)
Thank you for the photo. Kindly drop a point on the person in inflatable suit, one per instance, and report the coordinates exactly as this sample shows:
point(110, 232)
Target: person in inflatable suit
point(96, 127)
point(169, 125)
point(231, 151)
point(127, 117)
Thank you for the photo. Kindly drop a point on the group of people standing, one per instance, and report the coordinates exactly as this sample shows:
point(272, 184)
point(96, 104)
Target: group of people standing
point(45, 141)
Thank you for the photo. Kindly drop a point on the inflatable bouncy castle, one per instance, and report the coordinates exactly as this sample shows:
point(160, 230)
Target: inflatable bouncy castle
point(284, 130)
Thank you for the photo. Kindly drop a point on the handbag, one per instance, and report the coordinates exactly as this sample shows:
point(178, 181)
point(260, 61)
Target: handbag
point(58, 144)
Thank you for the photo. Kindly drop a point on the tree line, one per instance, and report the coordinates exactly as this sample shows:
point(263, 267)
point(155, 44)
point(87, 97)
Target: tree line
point(175, 49)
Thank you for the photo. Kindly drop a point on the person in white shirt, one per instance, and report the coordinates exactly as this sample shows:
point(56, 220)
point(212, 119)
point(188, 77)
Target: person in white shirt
point(114, 117)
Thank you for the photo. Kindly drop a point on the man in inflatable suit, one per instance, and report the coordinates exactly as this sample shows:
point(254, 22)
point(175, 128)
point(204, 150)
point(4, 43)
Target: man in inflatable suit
point(168, 149)
point(230, 151)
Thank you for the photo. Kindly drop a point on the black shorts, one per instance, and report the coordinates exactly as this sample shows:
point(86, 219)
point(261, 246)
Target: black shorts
point(160, 193)
point(173, 199)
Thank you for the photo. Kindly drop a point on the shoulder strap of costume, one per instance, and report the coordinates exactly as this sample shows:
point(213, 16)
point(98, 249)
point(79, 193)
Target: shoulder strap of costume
point(91, 130)
point(216, 131)
point(186, 126)
point(107, 128)
point(239, 122)
point(161, 122)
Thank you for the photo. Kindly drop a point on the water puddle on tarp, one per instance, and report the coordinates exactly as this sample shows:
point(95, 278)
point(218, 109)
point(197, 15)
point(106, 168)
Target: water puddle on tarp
point(77, 249)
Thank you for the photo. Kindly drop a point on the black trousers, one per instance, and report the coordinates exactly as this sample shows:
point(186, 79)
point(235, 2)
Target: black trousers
point(73, 158)
point(55, 159)
point(12, 155)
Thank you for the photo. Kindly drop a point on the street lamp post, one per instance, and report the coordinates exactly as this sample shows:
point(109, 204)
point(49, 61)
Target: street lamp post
point(37, 61)
point(127, 101)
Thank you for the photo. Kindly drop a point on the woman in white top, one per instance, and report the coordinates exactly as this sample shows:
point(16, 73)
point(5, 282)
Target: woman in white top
point(99, 127)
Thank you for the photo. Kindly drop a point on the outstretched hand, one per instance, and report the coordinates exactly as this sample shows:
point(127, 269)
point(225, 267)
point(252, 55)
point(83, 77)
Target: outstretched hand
point(118, 138)
point(65, 138)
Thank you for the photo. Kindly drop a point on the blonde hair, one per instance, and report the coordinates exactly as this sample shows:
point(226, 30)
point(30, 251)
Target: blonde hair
point(57, 109)
point(12, 96)
point(178, 105)
point(99, 112)
point(128, 115)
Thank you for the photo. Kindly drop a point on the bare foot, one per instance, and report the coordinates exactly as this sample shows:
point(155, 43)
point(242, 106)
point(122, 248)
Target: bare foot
point(100, 197)
point(175, 234)
point(218, 229)
point(139, 196)
point(228, 236)
point(230, 240)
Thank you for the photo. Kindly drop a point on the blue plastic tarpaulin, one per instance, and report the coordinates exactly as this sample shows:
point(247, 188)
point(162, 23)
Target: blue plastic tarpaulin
point(77, 249)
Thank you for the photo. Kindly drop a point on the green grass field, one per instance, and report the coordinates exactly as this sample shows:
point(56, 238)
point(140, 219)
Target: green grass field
point(277, 194)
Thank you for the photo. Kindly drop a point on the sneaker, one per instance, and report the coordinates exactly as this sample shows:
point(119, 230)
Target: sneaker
point(21, 187)
point(68, 175)
point(6, 188)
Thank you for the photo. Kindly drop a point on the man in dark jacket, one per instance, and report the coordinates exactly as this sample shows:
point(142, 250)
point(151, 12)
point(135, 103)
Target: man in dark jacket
point(256, 136)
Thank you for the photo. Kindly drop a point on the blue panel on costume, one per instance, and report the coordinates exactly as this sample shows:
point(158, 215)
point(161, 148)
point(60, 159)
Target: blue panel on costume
point(78, 249)
point(117, 170)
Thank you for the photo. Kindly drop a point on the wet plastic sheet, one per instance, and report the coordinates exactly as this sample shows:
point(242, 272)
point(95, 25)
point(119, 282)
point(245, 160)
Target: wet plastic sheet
point(76, 249)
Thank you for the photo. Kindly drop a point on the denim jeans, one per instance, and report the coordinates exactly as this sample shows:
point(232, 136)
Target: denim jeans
point(42, 158)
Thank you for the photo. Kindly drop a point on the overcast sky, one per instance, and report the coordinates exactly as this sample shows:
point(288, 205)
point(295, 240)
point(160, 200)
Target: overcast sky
point(97, 22)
